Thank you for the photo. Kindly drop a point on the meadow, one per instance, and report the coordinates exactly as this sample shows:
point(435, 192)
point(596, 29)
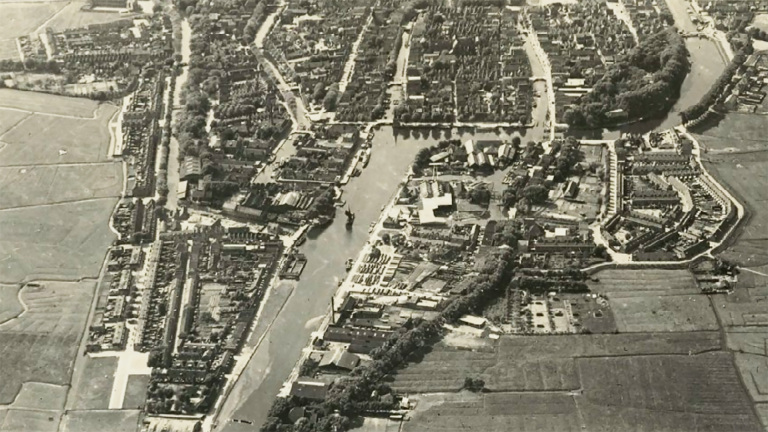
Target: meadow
point(94, 388)
point(663, 313)
point(631, 283)
point(100, 421)
point(21, 19)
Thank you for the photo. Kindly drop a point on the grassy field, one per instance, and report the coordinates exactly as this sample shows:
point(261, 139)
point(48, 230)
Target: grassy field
point(37, 421)
point(638, 393)
point(48, 184)
point(9, 118)
point(62, 241)
point(95, 389)
point(43, 139)
point(73, 17)
point(536, 363)
point(40, 345)
point(100, 421)
point(622, 283)
point(47, 103)
point(136, 391)
point(35, 395)
point(21, 19)
point(738, 132)
point(663, 313)
point(9, 302)
point(754, 370)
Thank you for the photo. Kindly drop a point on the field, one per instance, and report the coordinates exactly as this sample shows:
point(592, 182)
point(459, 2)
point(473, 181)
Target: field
point(136, 391)
point(45, 139)
point(663, 313)
point(37, 421)
point(62, 241)
point(21, 19)
point(100, 421)
point(536, 363)
point(46, 103)
point(753, 369)
point(41, 344)
point(48, 184)
point(735, 132)
point(36, 395)
point(95, 387)
point(746, 175)
point(9, 302)
point(623, 283)
point(9, 118)
point(641, 393)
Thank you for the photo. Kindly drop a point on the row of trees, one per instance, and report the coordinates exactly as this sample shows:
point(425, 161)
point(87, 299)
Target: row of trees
point(644, 83)
point(717, 90)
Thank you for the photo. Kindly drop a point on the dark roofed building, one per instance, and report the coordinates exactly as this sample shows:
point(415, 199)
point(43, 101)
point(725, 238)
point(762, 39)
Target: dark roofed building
point(309, 389)
point(339, 360)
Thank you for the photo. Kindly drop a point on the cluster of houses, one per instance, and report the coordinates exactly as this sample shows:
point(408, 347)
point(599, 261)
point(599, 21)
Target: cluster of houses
point(312, 42)
point(750, 91)
point(668, 209)
point(141, 133)
point(733, 15)
point(467, 63)
point(583, 39)
point(135, 221)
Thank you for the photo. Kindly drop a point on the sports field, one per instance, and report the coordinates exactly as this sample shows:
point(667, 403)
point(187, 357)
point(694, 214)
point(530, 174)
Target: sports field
point(40, 345)
point(660, 282)
point(46, 184)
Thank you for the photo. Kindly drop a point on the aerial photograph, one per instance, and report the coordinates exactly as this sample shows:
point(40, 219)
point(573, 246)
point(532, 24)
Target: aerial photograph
point(383, 215)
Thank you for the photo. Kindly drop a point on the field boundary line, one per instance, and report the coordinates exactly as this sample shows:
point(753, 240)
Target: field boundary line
point(24, 308)
point(111, 197)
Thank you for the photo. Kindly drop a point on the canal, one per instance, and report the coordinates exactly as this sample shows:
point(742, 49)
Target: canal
point(287, 324)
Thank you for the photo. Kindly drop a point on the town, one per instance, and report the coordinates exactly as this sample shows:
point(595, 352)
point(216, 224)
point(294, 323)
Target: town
point(389, 215)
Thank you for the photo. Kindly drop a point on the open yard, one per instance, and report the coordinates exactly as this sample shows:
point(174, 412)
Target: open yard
point(47, 184)
point(95, 387)
point(536, 363)
point(62, 241)
point(639, 393)
point(21, 19)
point(663, 313)
point(40, 345)
point(622, 283)
point(101, 421)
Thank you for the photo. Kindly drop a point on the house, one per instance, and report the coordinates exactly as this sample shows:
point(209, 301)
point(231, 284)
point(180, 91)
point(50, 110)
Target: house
point(339, 360)
point(309, 389)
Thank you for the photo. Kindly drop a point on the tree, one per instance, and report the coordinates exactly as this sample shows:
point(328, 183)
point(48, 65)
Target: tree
point(536, 194)
point(480, 195)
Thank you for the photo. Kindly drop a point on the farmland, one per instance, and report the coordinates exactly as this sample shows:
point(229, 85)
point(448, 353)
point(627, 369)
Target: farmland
point(63, 241)
point(40, 345)
point(36, 395)
point(645, 393)
point(622, 283)
point(98, 421)
point(48, 184)
point(663, 313)
point(536, 362)
point(45, 103)
point(23, 420)
point(9, 302)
